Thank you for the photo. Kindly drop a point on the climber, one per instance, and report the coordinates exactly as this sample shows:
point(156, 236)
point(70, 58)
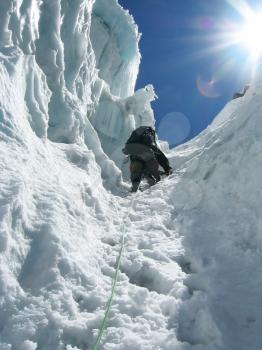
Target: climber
point(240, 94)
point(145, 157)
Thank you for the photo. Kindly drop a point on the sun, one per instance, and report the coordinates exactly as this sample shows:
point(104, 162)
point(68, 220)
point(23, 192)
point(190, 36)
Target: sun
point(250, 35)
point(234, 41)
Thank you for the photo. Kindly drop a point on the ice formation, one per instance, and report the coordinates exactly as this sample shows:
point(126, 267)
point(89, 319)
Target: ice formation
point(190, 275)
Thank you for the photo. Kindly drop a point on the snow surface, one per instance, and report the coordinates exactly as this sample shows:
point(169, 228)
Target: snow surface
point(190, 274)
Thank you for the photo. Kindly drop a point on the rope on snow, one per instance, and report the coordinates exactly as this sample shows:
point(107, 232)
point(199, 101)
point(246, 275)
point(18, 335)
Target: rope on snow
point(112, 294)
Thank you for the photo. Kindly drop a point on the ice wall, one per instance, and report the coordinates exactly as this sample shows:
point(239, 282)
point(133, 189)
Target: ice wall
point(115, 37)
point(117, 111)
point(63, 118)
point(88, 54)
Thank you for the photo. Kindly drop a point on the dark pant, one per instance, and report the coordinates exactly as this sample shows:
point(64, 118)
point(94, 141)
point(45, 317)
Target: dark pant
point(140, 169)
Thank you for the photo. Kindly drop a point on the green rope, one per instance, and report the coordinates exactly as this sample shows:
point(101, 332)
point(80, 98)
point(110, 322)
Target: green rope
point(110, 301)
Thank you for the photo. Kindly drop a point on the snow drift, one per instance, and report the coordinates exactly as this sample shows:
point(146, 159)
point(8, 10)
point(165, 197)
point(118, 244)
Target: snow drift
point(190, 274)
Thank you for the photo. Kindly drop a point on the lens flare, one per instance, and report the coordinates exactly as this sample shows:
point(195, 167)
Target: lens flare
point(174, 128)
point(207, 88)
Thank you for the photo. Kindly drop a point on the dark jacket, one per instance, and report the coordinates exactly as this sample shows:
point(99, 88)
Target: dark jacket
point(145, 151)
point(161, 158)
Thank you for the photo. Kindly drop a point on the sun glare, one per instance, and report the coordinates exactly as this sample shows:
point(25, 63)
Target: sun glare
point(250, 35)
point(237, 41)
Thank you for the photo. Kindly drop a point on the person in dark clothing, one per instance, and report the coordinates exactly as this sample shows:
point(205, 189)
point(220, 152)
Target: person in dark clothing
point(145, 157)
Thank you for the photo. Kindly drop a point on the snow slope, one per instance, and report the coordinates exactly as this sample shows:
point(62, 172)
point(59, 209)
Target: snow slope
point(190, 273)
point(223, 228)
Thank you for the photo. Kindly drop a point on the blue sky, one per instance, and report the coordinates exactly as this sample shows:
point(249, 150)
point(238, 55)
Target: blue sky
point(176, 43)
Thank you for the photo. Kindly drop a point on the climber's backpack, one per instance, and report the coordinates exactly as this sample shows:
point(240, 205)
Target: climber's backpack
point(144, 135)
